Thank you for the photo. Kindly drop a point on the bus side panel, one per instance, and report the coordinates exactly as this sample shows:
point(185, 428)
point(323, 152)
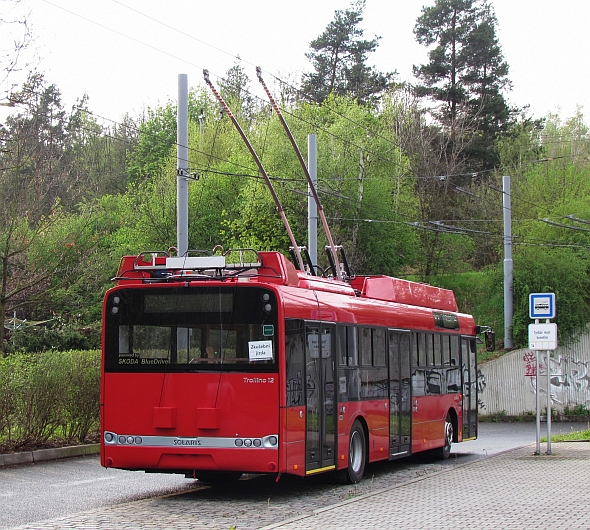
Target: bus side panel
point(292, 458)
point(428, 420)
point(377, 415)
point(349, 411)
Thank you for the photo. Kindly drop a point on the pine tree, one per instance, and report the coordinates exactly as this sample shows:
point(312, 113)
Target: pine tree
point(235, 89)
point(466, 73)
point(339, 58)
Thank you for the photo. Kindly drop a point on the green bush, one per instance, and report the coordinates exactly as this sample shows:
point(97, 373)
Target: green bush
point(564, 272)
point(49, 394)
point(70, 336)
point(81, 394)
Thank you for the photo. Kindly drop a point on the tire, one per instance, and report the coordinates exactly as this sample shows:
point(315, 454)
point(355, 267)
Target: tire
point(357, 454)
point(445, 450)
point(218, 477)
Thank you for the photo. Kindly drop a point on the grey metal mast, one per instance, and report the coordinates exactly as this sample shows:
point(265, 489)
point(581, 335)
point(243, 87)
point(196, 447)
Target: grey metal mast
point(312, 207)
point(508, 275)
point(182, 166)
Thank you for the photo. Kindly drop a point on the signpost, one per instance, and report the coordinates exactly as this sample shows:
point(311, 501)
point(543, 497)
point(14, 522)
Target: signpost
point(542, 305)
point(543, 337)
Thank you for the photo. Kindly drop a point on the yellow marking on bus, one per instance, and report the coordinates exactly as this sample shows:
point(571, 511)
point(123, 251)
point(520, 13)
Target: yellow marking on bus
point(319, 470)
point(472, 438)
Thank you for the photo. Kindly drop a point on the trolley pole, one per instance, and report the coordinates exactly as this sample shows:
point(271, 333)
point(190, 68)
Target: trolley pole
point(182, 166)
point(312, 207)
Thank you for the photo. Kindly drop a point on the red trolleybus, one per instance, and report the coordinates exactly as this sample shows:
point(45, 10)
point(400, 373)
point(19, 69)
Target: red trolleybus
point(217, 365)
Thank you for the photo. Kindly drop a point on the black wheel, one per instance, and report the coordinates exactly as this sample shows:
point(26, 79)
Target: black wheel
point(218, 477)
point(357, 454)
point(445, 450)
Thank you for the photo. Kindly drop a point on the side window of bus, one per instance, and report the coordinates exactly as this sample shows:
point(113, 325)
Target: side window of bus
point(366, 348)
point(428, 343)
point(446, 350)
point(353, 350)
point(419, 382)
point(379, 347)
point(437, 350)
point(379, 381)
point(341, 345)
point(421, 347)
point(418, 349)
point(454, 372)
point(434, 382)
point(348, 374)
point(455, 350)
point(435, 376)
point(295, 355)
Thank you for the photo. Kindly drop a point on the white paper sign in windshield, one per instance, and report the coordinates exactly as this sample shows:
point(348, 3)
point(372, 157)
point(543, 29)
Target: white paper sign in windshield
point(260, 350)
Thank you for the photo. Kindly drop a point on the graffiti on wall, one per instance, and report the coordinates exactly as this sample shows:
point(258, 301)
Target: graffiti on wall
point(570, 378)
point(481, 386)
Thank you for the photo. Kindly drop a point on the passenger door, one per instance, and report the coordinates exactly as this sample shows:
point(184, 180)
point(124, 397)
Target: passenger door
point(469, 382)
point(400, 398)
point(320, 396)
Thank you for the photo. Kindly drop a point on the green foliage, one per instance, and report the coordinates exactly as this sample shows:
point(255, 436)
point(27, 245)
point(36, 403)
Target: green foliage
point(576, 410)
point(157, 137)
point(561, 271)
point(58, 336)
point(81, 396)
point(569, 437)
point(49, 394)
point(377, 170)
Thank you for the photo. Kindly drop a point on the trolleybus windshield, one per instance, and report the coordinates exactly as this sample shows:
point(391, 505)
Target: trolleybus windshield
point(187, 329)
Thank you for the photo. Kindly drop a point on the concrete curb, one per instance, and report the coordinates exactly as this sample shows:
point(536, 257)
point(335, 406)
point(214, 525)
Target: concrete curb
point(31, 457)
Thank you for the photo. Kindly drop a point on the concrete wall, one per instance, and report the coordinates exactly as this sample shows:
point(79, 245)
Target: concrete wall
point(507, 384)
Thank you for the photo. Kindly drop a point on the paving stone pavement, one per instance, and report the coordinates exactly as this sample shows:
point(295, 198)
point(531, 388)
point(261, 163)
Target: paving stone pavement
point(514, 489)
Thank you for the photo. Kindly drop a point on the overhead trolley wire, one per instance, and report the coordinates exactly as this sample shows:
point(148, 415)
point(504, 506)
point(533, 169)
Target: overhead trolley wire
point(307, 97)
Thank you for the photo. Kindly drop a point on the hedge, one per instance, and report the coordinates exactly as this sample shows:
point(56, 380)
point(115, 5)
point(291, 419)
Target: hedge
point(48, 395)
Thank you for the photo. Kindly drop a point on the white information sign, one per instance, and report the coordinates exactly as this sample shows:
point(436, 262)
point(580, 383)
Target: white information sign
point(260, 350)
point(543, 336)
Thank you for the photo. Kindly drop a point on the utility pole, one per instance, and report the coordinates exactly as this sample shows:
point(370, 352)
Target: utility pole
point(312, 207)
point(508, 274)
point(182, 166)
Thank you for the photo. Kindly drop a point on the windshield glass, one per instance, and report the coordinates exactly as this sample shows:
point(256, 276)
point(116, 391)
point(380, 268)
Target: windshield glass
point(178, 329)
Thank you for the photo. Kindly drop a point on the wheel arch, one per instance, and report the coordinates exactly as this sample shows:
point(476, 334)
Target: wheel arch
point(452, 413)
point(363, 422)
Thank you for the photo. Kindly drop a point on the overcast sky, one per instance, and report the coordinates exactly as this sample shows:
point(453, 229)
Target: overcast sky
point(126, 55)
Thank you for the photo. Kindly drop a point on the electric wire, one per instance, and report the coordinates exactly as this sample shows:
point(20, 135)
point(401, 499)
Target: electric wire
point(344, 140)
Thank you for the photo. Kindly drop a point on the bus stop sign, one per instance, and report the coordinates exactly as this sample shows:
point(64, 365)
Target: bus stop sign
point(542, 305)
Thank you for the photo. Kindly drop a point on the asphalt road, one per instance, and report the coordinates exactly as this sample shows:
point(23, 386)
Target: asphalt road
point(45, 491)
